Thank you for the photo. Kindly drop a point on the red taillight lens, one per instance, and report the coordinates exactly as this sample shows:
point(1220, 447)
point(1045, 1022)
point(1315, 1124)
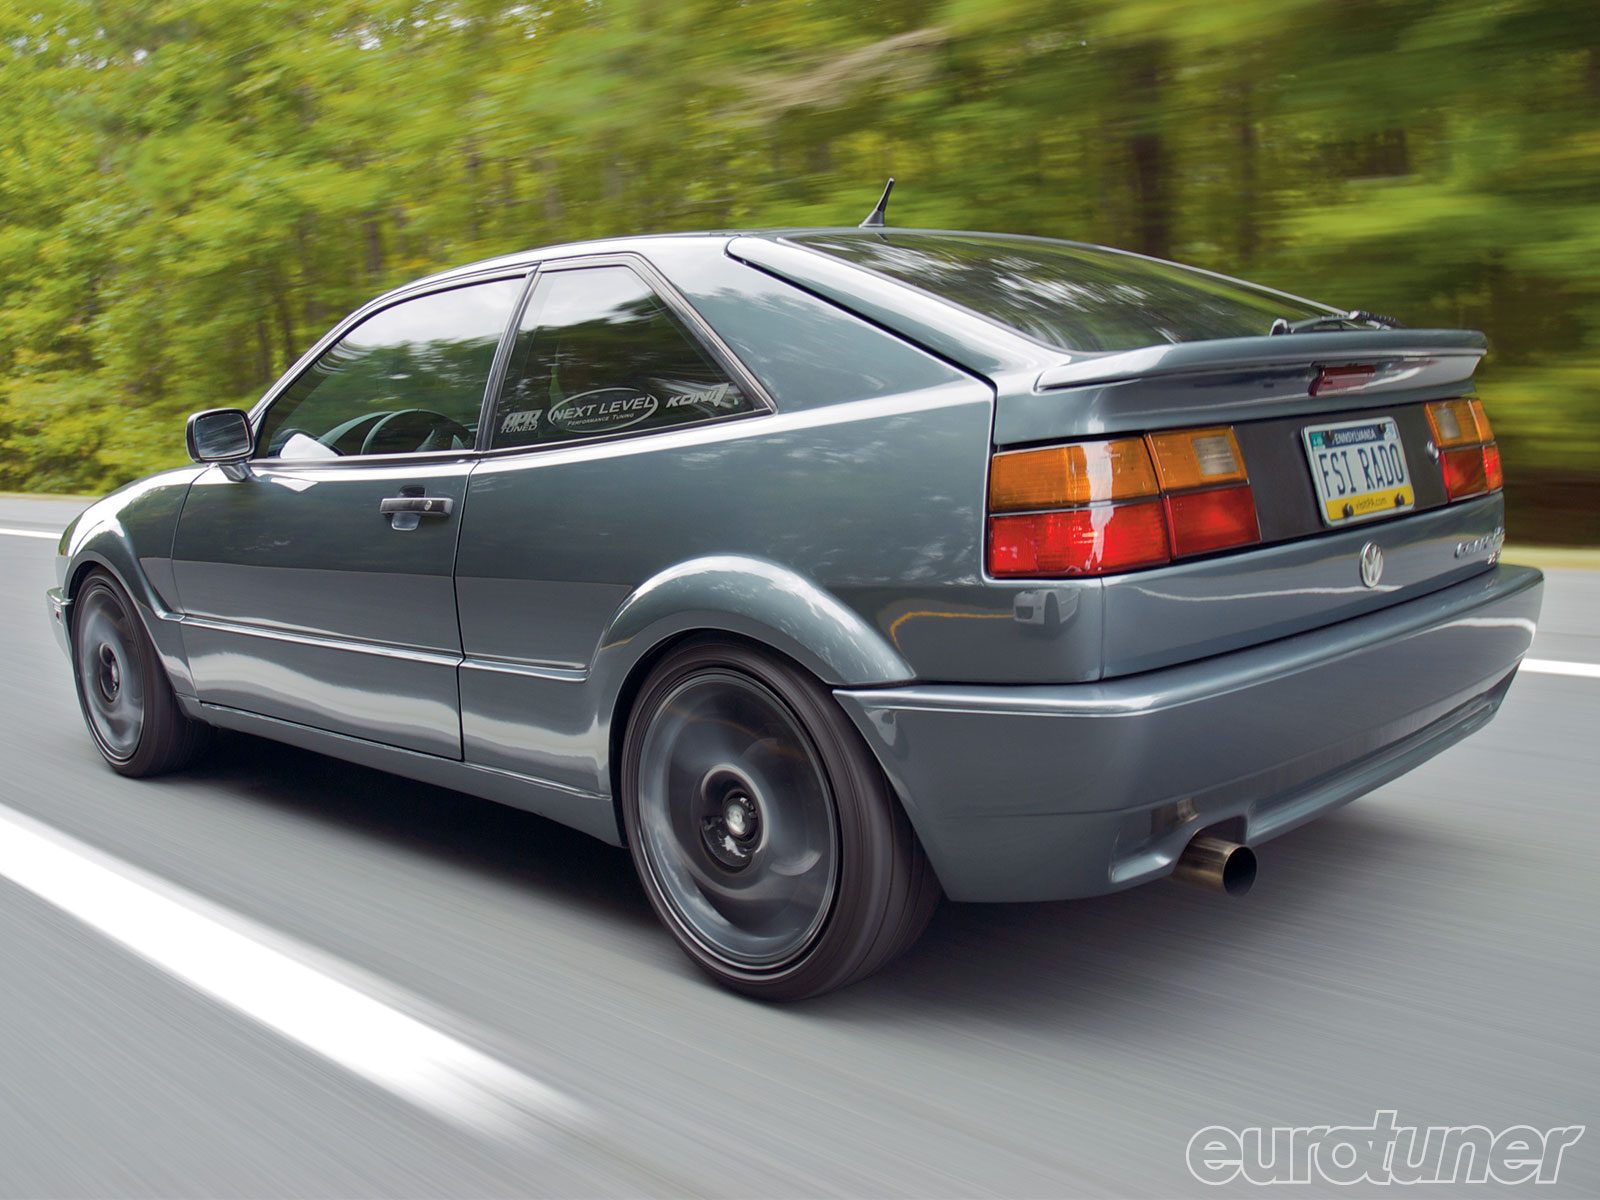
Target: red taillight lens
point(1078, 541)
point(1464, 472)
point(1203, 522)
point(1492, 473)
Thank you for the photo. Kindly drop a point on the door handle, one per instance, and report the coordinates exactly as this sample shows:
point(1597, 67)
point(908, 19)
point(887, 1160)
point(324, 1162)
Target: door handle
point(423, 506)
point(405, 513)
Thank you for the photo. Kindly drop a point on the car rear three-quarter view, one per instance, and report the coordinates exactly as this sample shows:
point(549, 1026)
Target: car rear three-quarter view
point(832, 570)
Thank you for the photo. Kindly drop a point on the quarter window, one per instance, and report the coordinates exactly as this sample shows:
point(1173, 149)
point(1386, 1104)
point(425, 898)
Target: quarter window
point(599, 353)
point(408, 379)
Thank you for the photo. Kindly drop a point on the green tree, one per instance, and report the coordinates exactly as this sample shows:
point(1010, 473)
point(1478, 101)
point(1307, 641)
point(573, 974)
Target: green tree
point(193, 190)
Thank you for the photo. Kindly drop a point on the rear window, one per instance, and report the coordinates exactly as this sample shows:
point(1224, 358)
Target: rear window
point(1065, 295)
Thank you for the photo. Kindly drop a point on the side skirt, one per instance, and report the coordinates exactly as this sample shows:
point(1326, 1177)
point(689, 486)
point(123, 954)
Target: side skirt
point(589, 812)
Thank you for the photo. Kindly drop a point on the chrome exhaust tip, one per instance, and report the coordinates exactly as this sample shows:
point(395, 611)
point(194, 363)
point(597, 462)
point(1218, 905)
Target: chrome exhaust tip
point(1214, 863)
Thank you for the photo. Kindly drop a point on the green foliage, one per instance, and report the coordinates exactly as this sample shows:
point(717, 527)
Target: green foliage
point(193, 190)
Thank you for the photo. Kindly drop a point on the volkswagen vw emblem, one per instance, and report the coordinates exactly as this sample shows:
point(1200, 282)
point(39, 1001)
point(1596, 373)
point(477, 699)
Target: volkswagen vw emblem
point(1371, 565)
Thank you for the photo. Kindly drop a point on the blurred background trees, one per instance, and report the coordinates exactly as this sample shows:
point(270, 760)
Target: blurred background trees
point(192, 191)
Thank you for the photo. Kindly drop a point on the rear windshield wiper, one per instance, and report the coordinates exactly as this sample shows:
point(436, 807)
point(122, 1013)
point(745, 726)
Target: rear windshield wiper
point(1353, 319)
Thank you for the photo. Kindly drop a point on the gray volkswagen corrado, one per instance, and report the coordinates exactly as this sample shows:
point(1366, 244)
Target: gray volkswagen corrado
point(828, 570)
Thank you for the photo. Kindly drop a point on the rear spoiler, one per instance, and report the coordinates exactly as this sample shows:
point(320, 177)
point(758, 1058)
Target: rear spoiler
point(1230, 354)
point(1234, 379)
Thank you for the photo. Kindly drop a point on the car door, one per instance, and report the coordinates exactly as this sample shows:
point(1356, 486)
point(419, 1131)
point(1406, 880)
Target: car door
point(316, 583)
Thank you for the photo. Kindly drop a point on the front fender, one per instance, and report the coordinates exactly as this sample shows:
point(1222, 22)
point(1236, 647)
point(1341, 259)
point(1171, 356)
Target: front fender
point(129, 533)
point(755, 599)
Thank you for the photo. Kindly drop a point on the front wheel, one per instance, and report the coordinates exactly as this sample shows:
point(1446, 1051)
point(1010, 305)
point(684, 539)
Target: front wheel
point(763, 830)
point(127, 701)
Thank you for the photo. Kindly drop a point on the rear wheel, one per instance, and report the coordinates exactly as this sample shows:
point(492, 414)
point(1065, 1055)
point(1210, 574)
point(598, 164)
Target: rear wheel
point(763, 830)
point(126, 698)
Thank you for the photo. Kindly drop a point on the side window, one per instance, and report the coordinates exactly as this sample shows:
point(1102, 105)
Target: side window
point(407, 379)
point(598, 353)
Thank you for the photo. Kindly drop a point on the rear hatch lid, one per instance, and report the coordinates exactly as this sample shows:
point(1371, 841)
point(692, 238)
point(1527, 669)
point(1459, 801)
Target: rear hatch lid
point(1286, 399)
point(1083, 343)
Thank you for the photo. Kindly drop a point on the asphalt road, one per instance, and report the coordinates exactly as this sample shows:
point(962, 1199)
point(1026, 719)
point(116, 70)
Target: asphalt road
point(1430, 949)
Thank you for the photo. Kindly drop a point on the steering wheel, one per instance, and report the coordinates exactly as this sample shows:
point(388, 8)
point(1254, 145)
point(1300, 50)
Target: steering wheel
point(415, 428)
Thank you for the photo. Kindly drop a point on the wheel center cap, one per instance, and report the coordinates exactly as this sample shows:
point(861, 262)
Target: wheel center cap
point(731, 830)
point(739, 818)
point(110, 673)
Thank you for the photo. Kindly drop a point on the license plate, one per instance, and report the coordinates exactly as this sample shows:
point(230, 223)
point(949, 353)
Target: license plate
point(1359, 469)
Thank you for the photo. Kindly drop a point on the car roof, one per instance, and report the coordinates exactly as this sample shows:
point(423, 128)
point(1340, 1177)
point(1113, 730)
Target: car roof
point(640, 243)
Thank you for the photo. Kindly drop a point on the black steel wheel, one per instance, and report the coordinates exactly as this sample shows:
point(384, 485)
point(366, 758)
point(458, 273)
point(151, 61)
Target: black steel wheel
point(764, 832)
point(127, 701)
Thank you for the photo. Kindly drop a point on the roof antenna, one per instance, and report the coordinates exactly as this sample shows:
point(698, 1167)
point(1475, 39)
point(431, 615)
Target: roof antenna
point(875, 217)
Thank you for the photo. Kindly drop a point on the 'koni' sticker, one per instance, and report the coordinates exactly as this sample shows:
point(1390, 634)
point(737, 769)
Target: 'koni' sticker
point(681, 394)
point(601, 411)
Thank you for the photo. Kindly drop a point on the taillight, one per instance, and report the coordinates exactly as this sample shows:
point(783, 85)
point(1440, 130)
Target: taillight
point(1092, 508)
point(1094, 540)
point(1194, 458)
point(1469, 460)
point(1492, 473)
point(1078, 474)
point(1202, 522)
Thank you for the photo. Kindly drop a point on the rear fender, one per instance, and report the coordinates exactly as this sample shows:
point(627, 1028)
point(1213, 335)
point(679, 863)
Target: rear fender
point(732, 594)
point(755, 599)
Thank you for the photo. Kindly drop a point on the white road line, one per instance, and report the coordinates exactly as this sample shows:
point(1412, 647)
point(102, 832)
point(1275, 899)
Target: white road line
point(282, 985)
point(7, 531)
point(1551, 666)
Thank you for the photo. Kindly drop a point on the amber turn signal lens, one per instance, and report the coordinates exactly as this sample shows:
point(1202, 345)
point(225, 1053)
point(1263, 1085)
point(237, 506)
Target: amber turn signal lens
point(1020, 480)
point(1455, 423)
point(1485, 433)
point(1193, 458)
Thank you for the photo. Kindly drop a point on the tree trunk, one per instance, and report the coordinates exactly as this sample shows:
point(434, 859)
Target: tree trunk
point(1247, 202)
point(280, 306)
point(374, 243)
point(263, 353)
point(1147, 155)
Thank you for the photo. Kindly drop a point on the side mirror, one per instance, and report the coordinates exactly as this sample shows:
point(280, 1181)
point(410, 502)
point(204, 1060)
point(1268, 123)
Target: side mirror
point(220, 435)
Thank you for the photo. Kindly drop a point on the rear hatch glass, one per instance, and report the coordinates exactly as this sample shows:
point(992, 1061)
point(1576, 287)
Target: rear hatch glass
point(1065, 295)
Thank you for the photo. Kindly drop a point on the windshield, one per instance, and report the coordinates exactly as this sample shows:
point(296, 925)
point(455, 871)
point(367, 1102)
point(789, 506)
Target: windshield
point(1066, 295)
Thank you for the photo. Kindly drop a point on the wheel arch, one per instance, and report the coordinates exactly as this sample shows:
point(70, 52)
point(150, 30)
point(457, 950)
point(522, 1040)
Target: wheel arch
point(751, 601)
point(129, 535)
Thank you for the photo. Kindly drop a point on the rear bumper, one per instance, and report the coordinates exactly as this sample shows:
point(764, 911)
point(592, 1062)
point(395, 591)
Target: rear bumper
point(1051, 792)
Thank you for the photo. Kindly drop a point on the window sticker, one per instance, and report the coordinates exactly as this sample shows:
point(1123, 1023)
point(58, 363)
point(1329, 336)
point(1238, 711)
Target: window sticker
point(526, 421)
point(603, 410)
point(682, 393)
point(598, 354)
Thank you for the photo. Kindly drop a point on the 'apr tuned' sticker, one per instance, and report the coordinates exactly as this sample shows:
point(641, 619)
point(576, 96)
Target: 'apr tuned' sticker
point(601, 411)
point(526, 421)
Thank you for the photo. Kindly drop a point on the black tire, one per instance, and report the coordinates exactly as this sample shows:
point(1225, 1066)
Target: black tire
point(741, 777)
point(127, 700)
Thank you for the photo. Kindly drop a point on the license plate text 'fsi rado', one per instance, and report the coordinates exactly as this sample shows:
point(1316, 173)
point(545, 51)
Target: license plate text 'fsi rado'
point(1359, 470)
